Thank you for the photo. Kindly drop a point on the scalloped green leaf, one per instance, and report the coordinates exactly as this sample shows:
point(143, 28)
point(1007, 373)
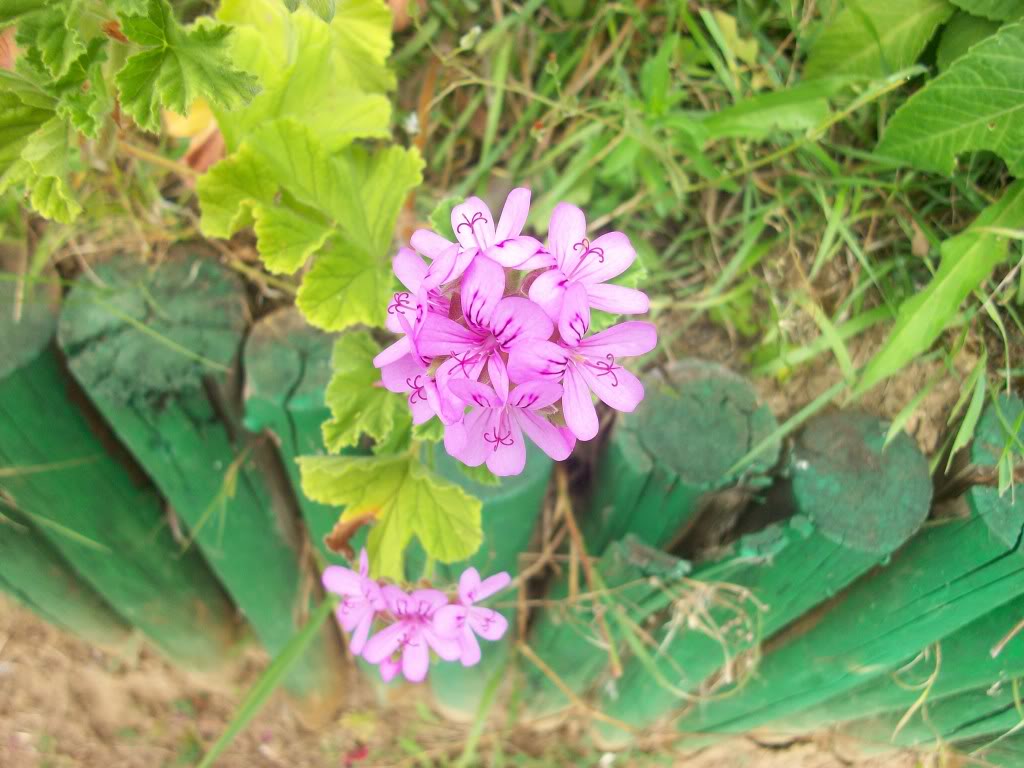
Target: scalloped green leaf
point(873, 38)
point(405, 499)
point(996, 10)
point(978, 103)
point(177, 65)
point(961, 33)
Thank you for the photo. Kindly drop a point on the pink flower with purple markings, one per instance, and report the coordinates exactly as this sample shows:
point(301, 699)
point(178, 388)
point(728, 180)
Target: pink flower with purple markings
point(469, 321)
point(589, 264)
point(406, 644)
point(465, 620)
point(361, 599)
point(492, 431)
point(589, 365)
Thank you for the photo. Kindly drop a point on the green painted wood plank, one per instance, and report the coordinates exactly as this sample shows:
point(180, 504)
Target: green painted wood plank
point(949, 575)
point(154, 352)
point(854, 505)
point(663, 461)
point(958, 663)
point(107, 525)
point(35, 574)
point(662, 467)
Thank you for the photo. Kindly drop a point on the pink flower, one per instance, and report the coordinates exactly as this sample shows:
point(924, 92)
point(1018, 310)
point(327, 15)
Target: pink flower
point(465, 620)
point(408, 310)
point(587, 365)
point(492, 431)
point(361, 600)
point(407, 642)
point(578, 261)
point(477, 234)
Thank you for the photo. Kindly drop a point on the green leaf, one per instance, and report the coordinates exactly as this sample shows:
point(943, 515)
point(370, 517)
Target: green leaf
point(229, 190)
point(42, 168)
point(83, 98)
point(177, 65)
point(325, 9)
point(288, 236)
point(358, 404)
point(967, 260)
point(18, 121)
point(405, 499)
point(361, 30)
point(959, 35)
point(346, 286)
point(976, 104)
point(13, 10)
point(799, 108)
point(873, 38)
point(975, 385)
point(997, 10)
point(55, 35)
point(295, 58)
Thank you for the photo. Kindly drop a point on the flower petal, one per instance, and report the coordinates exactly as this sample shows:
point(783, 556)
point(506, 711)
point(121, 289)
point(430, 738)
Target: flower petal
point(498, 374)
point(617, 299)
point(489, 586)
point(449, 266)
point(470, 648)
point(415, 658)
point(513, 214)
point(469, 582)
point(547, 292)
point(383, 644)
point(517, 321)
point(427, 601)
point(556, 442)
point(507, 451)
point(607, 257)
point(388, 669)
point(537, 360)
point(520, 253)
point(536, 394)
point(429, 243)
point(442, 336)
point(364, 562)
point(568, 227)
point(400, 376)
point(409, 268)
point(448, 648)
point(487, 623)
point(616, 386)
point(473, 224)
point(574, 318)
point(475, 393)
point(342, 581)
point(362, 632)
point(466, 441)
point(580, 414)
point(482, 288)
point(395, 352)
point(449, 619)
point(623, 340)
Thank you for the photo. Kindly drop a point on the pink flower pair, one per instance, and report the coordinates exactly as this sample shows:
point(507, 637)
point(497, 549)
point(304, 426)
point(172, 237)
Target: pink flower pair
point(498, 308)
point(420, 621)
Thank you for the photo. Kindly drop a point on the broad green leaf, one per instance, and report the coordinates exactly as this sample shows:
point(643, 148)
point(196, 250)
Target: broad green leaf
point(346, 286)
point(359, 405)
point(743, 48)
point(799, 108)
point(228, 191)
point(55, 35)
point(405, 499)
point(959, 35)
point(12, 10)
point(294, 56)
point(325, 9)
point(873, 38)
point(361, 30)
point(177, 65)
point(997, 10)
point(288, 235)
point(18, 121)
point(967, 260)
point(83, 97)
point(978, 103)
point(43, 168)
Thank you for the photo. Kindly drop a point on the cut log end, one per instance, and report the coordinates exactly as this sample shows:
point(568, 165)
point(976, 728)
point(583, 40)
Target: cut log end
point(28, 319)
point(857, 491)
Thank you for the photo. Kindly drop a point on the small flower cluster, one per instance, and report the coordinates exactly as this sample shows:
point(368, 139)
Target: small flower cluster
point(499, 308)
point(418, 622)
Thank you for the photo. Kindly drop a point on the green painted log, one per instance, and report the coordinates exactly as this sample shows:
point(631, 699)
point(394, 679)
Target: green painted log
point(959, 663)
point(509, 514)
point(109, 527)
point(664, 465)
point(287, 368)
point(853, 503)
point(949, 575)
point(994, 751)
point(35, 574)
point(664, 462)
point(154, 350)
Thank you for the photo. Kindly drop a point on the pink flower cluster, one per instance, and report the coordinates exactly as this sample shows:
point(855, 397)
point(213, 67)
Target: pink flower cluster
point(498, 308)
point(417, 622)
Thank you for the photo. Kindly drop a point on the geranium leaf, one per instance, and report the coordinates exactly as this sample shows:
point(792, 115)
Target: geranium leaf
point(973, 105)
point(996, 10)
point(875, 37)
point(362, 43)
point(54, 34)
point(359, 405)
point(228, 191)
point(346, 286)
point(405, 499)
point(177, 65)
point(288, 235)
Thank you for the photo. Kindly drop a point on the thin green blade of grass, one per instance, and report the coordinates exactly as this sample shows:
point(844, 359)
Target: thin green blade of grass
point(468, 756)
point(975, 386)
point(268, 682)
point(901, 418)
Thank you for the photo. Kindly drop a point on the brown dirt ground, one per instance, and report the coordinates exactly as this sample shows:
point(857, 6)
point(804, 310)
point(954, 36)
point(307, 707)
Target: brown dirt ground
point(64, 704)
